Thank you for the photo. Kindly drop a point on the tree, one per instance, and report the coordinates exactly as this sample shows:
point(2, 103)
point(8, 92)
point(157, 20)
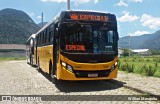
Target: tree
point(126, 52)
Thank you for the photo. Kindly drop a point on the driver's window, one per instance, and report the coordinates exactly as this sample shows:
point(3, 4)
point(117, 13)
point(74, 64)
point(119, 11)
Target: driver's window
point(110, 37)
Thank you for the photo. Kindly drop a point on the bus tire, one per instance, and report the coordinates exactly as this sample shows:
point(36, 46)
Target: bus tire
point(53, 79)
point(30, 59)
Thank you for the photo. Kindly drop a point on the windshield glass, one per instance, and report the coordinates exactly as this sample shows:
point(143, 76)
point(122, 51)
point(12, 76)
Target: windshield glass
point(87, 38)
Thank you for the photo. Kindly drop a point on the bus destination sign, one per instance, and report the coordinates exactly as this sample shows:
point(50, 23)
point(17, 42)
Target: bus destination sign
point(75, 47)
point(92, 17)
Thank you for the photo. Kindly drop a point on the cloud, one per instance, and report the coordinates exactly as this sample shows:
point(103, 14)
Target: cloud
point(59, 1)
point(81, 1)
point(96, 1)
point(121, 3)
point(138, 33)
point(32, 14)
point(40, 17)
point(127, 17)
point(75, 1)
point(150, 21)
point(136, 1)
point(126, 2)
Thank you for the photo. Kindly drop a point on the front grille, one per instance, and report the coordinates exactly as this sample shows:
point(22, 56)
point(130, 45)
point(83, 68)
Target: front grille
point(84, 74)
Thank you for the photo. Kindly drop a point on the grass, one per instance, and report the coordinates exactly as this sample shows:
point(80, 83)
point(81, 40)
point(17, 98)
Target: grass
point(12, 58)
point(146, 66)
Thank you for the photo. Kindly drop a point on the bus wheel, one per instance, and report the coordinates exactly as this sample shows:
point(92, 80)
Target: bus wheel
point(53, 79)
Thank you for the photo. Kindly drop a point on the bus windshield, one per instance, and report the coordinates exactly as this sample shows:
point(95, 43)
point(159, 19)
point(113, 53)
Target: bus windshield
point(87, 38)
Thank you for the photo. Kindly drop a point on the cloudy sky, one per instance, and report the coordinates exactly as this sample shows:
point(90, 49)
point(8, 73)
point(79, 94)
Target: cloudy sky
point(135, 17)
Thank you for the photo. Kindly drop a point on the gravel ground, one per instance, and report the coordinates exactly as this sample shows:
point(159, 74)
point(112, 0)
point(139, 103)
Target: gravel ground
point(144, 83)
point(19, 78)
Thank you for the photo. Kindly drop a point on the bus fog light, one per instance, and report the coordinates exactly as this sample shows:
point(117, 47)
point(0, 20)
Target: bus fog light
point(69, 68)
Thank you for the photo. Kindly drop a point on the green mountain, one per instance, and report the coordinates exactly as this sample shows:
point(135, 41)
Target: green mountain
point(146, 41)
point(15, 26)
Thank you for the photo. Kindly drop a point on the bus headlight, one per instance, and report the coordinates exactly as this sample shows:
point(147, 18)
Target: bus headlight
point(114, 66)
point(63, 64)
point(69, 68)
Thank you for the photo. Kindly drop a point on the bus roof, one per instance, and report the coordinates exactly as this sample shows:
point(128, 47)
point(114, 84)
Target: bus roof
point(87, 11)
point(67, 15)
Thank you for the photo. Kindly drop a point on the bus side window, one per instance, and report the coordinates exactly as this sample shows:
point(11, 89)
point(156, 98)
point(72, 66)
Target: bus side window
point(40, 39)
point(50, 37)
point(44, 37)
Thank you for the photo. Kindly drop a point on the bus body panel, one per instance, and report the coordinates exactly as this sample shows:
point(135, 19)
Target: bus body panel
point(89, 66)
point(65, 74)
point(45, 55)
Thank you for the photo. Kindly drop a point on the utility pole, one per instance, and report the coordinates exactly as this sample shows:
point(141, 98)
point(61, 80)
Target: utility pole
point(42, 19)
point(68, 4)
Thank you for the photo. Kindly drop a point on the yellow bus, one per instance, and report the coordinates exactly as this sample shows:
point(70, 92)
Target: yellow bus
point(78, 45)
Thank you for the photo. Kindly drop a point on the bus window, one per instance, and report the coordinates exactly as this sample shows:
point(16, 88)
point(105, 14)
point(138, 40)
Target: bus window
point(50, 37)
point(45, 40)
point(110, 37)
point(46, 35)
point(43, 37)
point(40, 39)
point(92, 37)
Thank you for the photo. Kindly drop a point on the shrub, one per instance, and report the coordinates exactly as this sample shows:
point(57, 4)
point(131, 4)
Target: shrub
point(156, 64)
point(133, 60)
point(141, 59)
point(148, 70)
point(130, 68)
point(125, 59)
point(154, 59)
point(158, 59)
point(147, 59)
point(127, 67)
point(123, 67)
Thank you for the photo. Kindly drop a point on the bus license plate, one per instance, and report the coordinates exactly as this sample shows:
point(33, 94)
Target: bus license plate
point(93, 75)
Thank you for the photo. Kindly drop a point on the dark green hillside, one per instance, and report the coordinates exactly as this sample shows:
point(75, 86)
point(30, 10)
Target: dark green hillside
point(15, 26)
point(146, 41)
